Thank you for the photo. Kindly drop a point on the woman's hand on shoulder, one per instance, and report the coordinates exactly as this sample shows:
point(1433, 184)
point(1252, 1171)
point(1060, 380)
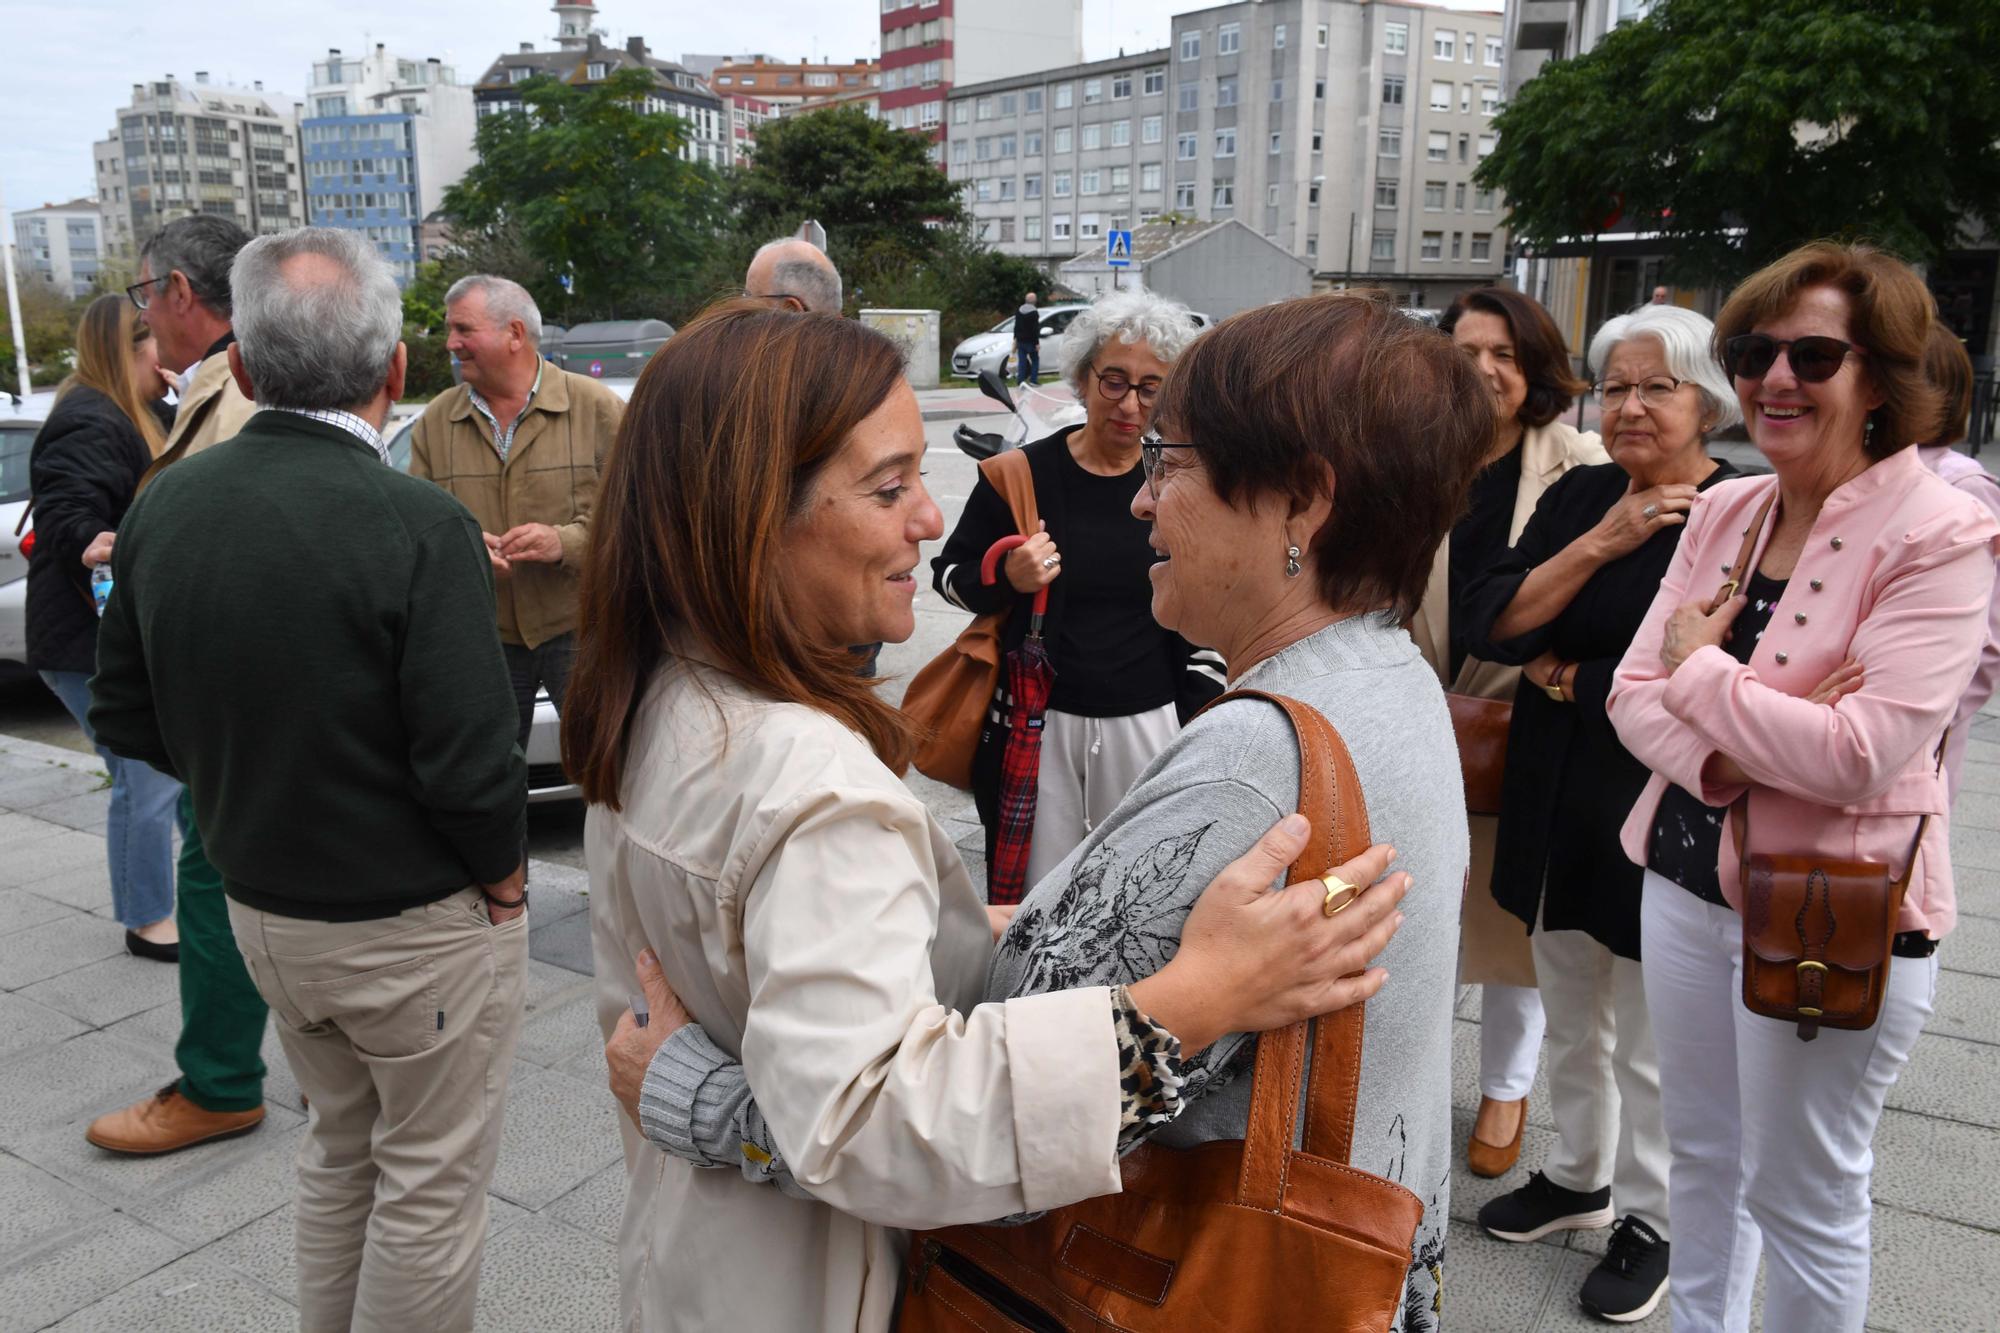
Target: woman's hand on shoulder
point(1252, 959)
point(1627, 525)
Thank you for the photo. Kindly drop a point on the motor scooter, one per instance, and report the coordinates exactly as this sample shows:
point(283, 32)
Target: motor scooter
point(1038, 414)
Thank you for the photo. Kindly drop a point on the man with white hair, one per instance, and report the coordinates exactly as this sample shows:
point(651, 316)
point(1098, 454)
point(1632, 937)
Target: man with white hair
point(520, 443)
point(357, 732)
point(795, 273)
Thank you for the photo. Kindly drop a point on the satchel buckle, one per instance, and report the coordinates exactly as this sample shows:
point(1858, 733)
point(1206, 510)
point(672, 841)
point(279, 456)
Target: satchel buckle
point(1809, 963)
point(1729, 587)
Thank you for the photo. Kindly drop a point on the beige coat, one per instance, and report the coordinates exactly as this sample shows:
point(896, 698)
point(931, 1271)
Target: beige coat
point(549, 476)
point(821, 927)
point(212, 410)
point(1492, 943)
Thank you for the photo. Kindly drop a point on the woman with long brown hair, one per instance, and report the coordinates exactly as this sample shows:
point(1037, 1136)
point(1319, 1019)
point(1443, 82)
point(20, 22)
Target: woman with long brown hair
point(105, 430)
point(762, 510)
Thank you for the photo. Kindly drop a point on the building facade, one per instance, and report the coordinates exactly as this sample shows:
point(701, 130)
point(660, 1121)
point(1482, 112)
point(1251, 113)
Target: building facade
point(180, 148)
point(781, 84)
point(929, 46)
point(61, 246)
point(382, 139)
point(1345, 133)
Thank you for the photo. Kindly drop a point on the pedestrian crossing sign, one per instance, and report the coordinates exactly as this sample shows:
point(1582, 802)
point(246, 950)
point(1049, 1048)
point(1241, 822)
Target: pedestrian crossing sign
point(1118, 249)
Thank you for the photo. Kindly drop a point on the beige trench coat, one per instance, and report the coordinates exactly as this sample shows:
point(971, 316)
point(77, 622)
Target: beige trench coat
point(822, 928)
point(212, 410)
point(1492, 943)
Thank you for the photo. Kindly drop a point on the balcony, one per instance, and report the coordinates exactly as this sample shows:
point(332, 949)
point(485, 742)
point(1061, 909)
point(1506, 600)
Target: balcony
point(1544, 24)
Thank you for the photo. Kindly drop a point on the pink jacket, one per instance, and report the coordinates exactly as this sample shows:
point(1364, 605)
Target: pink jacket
point(1966, 474)
point(1898, 573)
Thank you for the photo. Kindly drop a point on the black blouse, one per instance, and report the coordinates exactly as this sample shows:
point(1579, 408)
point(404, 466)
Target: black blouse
point(1570, 783)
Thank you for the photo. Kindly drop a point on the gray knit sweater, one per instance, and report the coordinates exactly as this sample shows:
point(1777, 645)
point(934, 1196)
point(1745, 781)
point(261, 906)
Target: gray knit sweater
point(1112, 913)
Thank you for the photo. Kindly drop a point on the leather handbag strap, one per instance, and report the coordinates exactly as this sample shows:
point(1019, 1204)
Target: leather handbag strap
point(1010, 474)
point(1330, 797)
point(1739, 573)
point(1739, 824)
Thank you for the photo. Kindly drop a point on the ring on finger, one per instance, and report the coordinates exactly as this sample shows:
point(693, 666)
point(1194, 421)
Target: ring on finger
point(1340, 895)
point(1651, 511)
point(1052, 562)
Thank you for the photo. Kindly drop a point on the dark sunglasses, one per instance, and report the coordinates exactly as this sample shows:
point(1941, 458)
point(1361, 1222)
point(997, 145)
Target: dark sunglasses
point(1814, 360)
point(1153, 457)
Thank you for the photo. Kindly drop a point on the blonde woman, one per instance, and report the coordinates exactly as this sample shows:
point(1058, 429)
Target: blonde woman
point(105, 430)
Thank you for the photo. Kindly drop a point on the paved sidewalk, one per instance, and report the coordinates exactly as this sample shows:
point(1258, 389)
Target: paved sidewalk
point(201, 1240)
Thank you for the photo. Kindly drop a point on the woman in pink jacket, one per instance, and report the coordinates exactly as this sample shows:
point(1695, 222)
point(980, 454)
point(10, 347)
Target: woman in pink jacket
point(1822, 689)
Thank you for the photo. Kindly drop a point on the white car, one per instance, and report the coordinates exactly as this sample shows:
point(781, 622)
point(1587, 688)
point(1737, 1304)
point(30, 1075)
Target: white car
point(994, 349)
point(19, 424)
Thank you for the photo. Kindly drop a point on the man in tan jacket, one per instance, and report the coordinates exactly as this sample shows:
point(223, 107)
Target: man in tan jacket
point(520, 444)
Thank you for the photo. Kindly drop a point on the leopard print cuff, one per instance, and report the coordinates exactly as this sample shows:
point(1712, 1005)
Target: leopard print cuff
point(1149, 1065)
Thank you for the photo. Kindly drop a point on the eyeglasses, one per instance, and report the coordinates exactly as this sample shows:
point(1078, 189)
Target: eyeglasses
point(137, 291)
point(1655, 391)
point(1814, 360)
point(1153, 457)
point(1114, 385)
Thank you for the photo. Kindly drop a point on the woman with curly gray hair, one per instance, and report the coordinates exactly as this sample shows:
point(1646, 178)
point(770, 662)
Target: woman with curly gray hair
point(1123, 685)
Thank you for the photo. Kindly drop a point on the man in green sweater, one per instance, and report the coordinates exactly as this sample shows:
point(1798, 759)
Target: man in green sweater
point(305, 637)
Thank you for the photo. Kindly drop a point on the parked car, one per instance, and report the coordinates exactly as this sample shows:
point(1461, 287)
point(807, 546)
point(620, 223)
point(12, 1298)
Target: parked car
point(994, 349)
point(20, 422)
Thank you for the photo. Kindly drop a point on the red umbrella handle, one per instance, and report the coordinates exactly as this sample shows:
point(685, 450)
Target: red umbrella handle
point(988, 572)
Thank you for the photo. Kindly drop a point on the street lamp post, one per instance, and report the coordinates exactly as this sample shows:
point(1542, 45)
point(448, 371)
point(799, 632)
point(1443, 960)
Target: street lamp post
point(13, 296)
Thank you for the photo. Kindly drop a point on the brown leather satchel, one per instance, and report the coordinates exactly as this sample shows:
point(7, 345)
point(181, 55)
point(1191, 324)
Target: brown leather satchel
point(1231, 1235)
point(1481, 728)
point(1817, 932)
point(954, 691)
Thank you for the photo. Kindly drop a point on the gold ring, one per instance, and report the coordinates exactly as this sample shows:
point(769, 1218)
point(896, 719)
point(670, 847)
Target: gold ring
point(1335, 887)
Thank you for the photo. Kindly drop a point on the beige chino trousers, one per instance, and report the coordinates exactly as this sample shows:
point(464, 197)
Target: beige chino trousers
point(401, 1033)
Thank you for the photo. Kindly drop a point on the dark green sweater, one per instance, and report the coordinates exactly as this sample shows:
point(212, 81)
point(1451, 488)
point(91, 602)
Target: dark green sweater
point(305, 637)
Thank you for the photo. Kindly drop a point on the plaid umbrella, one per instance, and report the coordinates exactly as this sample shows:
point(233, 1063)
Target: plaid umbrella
point(1024, 695)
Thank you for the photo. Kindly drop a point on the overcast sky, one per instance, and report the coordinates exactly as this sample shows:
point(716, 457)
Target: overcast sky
point(72, 64)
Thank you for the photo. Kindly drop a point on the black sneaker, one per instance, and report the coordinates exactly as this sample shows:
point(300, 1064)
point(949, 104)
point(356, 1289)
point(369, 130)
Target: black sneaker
point(1541, 1206)
point(1632, 1277)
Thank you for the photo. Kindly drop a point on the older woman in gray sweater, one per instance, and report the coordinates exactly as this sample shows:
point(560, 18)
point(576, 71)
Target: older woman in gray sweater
point(1308, 459)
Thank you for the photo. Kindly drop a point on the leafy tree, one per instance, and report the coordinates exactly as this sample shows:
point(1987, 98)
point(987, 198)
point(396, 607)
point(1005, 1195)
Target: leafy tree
point(595, 189)
point(1738, 129)
point(865, 182)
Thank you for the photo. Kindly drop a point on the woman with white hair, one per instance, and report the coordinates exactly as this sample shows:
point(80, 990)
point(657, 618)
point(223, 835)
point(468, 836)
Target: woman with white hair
point(1564, 603)
point(1123, 686)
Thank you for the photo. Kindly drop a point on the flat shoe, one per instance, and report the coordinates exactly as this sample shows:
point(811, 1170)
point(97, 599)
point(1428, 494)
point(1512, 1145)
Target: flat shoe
point(140, 947)
point(167, 1122)
point(1485, 1159)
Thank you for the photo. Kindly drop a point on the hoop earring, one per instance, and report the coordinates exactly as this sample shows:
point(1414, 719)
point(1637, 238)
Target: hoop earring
point(1291, 562)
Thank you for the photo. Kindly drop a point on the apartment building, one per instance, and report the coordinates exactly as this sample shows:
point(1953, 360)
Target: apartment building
point(930, 46)
point(382, 139)
point(180, 148)
point(782, 83)
point(60, 246)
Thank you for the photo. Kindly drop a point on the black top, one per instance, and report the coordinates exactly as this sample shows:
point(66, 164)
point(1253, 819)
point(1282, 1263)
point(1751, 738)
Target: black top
point(83, 469)
point(306, 638)
point(1028, 325)
point(1570, 783)
point(1479, 540)
point(1687, 835)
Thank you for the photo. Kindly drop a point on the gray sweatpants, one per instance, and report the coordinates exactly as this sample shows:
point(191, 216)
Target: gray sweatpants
point(1088, 764)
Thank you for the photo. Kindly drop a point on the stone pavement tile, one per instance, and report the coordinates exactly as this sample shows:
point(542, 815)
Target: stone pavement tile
point(47, 1088)
point(102, 993)
point(554, 896)
point(131, 1182)
point(587, 1065)
point(25, 1024)
point(1977, 891)
point(1982, 748)
point(1968, 1006)
point(191, 1295)
point(231, 1194)
point(34, 1205)
point(542, 1275)
point(1951, 1078)
point(564, 942)
point(1494, 1287)
point(1465, 1076)
point(1930, 1274)
point(1927, 1165)
point(1975, 848)
point(87, 812)
point(18, 830)
point(79, 1267)
point(554, 1034)
point(1565, 1315)
point(1467, 1005)
point(597, 1206)
point(62, 850)
point(20, 909)
point(560, 1132)
point(58, 946)
point(24, 789)
point(85, 886)
point(1972, 946)
point(1979, 777)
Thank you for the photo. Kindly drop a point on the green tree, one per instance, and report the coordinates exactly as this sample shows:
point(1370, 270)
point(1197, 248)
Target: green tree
point(594, 188)
point(865, 182)
point(1738, 129)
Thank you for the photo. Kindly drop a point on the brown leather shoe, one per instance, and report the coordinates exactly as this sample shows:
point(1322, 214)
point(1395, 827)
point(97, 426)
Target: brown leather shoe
point(1483, 1158)
point(168, 1122)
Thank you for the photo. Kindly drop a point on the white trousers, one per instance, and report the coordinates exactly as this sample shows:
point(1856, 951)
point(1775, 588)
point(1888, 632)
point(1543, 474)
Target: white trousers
point(1088, 764)
point(1771, 1136)
point(1510, 1039)
point(1604, 1075)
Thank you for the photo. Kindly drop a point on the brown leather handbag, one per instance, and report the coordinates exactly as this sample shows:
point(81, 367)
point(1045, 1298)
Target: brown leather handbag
point(1480, 726)
point(951, 695)
point(1231, 1235)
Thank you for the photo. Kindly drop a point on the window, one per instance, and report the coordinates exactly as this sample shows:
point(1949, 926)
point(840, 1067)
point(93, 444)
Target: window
point(1149, 178)
point(332, 106)
point(984, 193)
point(1031, 102)
point(1007, 104)
point(1482, 201)
point(1229, 39)
point(820, 81)
point(1059, 227)
point(1093, 91)
point(1312, 191)
point(1316, 139)
point(1489, 99)
point(1392, 90)
point(1464, 140)
point(1319, 90)
point(1031, 229)
point(1225, 194)
point(1271, 196)
point(1121, 180)
point(1190, 97)
point(1482, 246)
point(1319, 37)
point(1031, 143)
point(1457, 244)
point(1458, 197)
point(985, 109)
point(521, 74)
point(1091, 182)
point(1059, 185)
point(1278, 38)
point(1493, 52)
point(1093, 136)
point(1433, 246)
point(1006, 229)
point(1395, 38)
point(1389, 143)
point(1464, 99)
point(1385, 194)
point(1184, 195)
point(1277, 143)
point(982, 149)
point(930, 114)
point(1440, 95)
point(1065, 96)
point(1434, 196)
point(1121, 133)
point(1486, 145)
point(958, 113)
point(1031, 186)
point(1277, 90)
point(1062, 138)
point(1006, 146)
point(1191, 44)
point(1154, 81)
point(1383, 246)
point(1225, 143)
point(1444, 45)
point(1121, 87)
point(1089, 227)
point(1186, 149)
point(1470, 40)
point(1149, 130)
point(1225, 92)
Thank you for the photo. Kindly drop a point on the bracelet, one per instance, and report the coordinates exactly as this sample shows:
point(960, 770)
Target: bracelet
point(1554, 688)
point(521, 901)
